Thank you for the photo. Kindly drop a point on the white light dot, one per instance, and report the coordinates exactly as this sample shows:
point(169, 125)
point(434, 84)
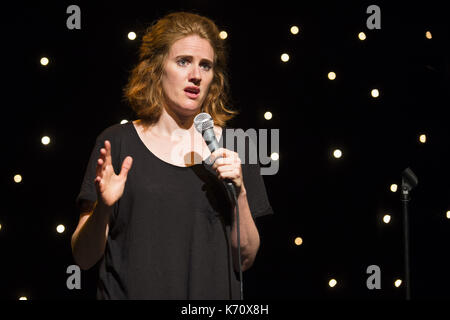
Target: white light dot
point(386, 218)
point(17, 178)
point(448, 214)
point(44, 61)
point(131, 35)
point(285, 57)
point(298, 241)
point(60, 228)
point(268, 115)
point(398, 283)
point(0, 226)
point(23, 298)
point(331, 75)
point(294, 29)
point(362, 36)
point(394, 187)
point(123, 121)
point(332, 283)
point(45, 140)
point(223, 35)
point(375, 93)
point(422, 138)
point(337, 153)
point(428, 35)
point(275, 156)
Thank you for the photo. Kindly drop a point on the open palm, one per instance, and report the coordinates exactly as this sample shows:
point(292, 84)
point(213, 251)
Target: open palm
point(109, 185)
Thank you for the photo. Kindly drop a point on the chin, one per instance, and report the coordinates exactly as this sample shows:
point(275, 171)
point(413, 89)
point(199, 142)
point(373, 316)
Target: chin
point(186, 107)
point(189, 110)
point(191, 106)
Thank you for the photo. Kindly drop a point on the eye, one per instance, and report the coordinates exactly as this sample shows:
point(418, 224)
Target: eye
point(182, 62)
point(206, 66)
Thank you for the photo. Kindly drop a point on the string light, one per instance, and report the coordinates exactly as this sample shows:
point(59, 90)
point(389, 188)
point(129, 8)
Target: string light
point(428, 35)
point(332, 283)
point(45, 140)
point(275, 156)
point(422, 138)
point(375, 93)
point(60, 228)
point(294, 30)
point(131, 35)
point(44, 61)
point(298, 241)
point(394, 187)
point(268, 115)
point(386, 218)
point(17, 178)
point(331, 75)
point(285, 57)
point(398, 283)
point(337, 153)
point(362, 36)
point(223, 35)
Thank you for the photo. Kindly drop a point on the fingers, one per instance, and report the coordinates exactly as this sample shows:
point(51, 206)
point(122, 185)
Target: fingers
point(224, 156)
point(105, 155)
point(222, 161)
point(99, 184)
point(219, 153)
point(126, 166)
point(99, 168)
point(227, 165)
point(228, 172)
point(103, 160)
point(108, 152)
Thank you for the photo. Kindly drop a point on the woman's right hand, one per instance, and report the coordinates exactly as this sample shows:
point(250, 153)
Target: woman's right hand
point(109, 185)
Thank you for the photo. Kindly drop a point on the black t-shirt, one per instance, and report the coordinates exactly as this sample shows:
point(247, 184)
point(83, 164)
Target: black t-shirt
point(169, 234)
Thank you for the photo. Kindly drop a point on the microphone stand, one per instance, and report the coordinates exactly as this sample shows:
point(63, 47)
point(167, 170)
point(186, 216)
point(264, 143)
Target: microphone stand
point(409, 181)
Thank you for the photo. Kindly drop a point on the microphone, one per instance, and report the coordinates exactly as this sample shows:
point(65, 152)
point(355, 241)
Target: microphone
point(204, 124)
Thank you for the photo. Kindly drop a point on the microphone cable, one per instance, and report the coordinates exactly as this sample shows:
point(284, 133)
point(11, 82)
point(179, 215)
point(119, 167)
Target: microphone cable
point(233, 192)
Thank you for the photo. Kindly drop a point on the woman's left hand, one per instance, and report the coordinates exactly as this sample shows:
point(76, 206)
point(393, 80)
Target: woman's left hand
point(227, 165)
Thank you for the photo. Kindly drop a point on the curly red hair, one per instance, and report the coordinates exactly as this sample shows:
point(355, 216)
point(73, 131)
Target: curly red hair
point(144, 90)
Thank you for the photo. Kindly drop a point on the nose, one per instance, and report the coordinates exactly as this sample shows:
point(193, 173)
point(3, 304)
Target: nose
point(195, 75)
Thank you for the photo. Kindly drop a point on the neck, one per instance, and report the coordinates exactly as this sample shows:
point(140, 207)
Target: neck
point(169, 122)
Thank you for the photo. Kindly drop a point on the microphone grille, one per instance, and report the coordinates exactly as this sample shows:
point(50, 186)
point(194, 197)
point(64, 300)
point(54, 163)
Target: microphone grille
point(203, 121)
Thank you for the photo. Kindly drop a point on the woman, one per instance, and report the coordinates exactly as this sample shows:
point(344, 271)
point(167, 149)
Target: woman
point(162, 227)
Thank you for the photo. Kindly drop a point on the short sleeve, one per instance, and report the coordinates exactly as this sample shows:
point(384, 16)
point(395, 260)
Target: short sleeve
point(258, 200)
point(87, 190)
point(257, 197)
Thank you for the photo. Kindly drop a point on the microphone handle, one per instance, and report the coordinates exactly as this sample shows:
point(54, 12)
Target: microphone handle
point(210, 139)
point(213, 145)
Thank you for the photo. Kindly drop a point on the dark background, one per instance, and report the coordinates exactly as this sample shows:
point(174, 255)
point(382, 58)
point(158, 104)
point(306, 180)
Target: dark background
point(336, 206)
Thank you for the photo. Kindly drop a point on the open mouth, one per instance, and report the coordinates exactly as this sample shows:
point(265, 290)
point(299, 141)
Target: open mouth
point(192, 92)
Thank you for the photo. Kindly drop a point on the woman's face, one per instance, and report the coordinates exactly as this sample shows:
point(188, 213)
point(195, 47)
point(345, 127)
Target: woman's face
point(187, 74)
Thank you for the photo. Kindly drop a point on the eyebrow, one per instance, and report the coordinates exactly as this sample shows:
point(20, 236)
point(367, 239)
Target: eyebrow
point(188, 56)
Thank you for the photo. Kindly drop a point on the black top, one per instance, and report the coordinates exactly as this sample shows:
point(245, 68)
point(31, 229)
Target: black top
point(169, 234)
